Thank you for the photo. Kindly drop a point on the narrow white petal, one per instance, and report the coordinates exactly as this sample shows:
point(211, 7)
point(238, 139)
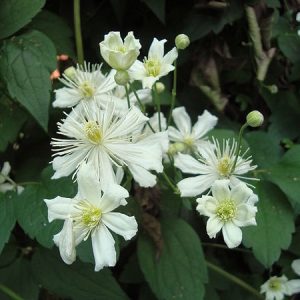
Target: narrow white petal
point(170, 56)
point(182, 120)
point(143, 177)
point(103, 248)
point(220, 190)
point(205, 123)
point(66, 97)
point(293, 287)
point(213, 226)
point(121, 224)
point(187, 164)
point(175, 135)
point(296, 266)
point(148, 81)
point(232, 235)
point(156, 50)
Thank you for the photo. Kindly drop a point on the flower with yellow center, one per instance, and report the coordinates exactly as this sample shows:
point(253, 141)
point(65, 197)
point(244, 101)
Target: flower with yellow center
point(228, 209)
point(213, 162)
point(155, 66)
point(90, 214)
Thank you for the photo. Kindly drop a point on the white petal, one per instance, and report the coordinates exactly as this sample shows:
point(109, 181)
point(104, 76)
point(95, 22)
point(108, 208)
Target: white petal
point(182, 120)
point(205, 123)
point(5, 187)
point(296, 266)
point(207, 205)
point(148, 81)
point(143, 177)
point(240, 193)
point(232, 235)
point(293, 287)
point(194, 186)
point(245, 215)
point(137, 71)
point(187, 164)
point(175, 135)
point(213, 226)
point(220, 190)
point(60, 208)
point(103, 248)
point(121, 224)
point(156, 50)
point(66, 97)
point(170, 56)
point(5, 169)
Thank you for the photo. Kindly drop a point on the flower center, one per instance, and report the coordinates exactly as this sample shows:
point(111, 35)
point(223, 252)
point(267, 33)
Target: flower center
point(89, 216)
point(93, 132)
point(226, 210)
point(152, 67)
point(86, 89)
point(189, 141)
point(122, 49)
point(224, 166)
point(275, 284)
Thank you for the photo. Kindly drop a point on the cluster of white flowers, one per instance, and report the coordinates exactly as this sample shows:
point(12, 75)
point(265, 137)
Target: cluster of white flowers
point(6, 183)
point(107, 133)
point(276, 288)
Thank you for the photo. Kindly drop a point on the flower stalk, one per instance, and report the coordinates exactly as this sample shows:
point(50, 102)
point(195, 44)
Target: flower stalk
point(78, 35)
point(174, 91)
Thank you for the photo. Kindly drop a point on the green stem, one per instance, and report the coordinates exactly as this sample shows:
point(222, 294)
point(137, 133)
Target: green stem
point(127, 95)
point(157, 105)
point(172, 186)
point(78, 36)
point(142, 106)
point(9, 292)
point(235, 280)
point(238, 148)
point(173, 92)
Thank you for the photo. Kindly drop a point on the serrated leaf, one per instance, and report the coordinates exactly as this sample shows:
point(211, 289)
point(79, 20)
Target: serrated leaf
point(180, 271)
point(275, 225)
point(78, 281)
point(7, 216)
point(158, 8)
point(25, 66)
point(31, 210)
point(14, 14)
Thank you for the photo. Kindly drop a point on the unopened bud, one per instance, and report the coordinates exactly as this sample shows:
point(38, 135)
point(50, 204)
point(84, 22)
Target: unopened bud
point(273, 89)
point(70, 72)
point(160, 87)
point(255, 118)
point(182, 41)
point(122, 77)
point(176, 147)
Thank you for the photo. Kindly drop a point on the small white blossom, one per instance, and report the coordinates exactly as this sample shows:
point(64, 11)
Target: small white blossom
point(118, 54)
point(213, 163)
point(107, 141)
point(228, 209)
point(6, 183)
point(90, 213)
point(190, 137)
point(86, 83)
point(155, 65)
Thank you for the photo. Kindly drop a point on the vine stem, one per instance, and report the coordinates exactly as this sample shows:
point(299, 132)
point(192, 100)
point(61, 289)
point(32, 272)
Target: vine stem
point(173, 92)
point(127, 95)
point(10, 293)
point(78, 35)
point(235, 280)
point(167, 179)
point(157, 102)
point(142, 106)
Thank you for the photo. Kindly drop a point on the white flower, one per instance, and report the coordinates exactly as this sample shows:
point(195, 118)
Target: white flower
point(107, 141)
point(296, 266)
point(90, 213)
point(6, 183)
point(228, 209)
point(119, 55)
point(190, 137)
point(213, 163)
point(155, 65)
point(86, 83)
point(298, 17)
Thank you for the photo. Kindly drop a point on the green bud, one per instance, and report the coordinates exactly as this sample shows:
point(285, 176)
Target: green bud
point(122, 77)
point(176, 147)
point(70, 72)
point(273, 89)
point(255, 118)
point(182, 41)
point(160, 87)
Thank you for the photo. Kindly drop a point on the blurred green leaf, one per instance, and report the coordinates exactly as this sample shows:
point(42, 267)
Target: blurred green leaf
point(289, 44)
point(157, 7)
point(78, 281)
point(179, 272)
point(14, 14)
point(25, 66)
point(275, 225)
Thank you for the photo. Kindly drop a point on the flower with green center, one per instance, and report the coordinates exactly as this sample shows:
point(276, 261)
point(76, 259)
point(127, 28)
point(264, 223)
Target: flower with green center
point(90, 214)
point(155, 66)
point(83, 84)
point(118, 54)
point(213, 163)
point(228, 209)
point(93, 132)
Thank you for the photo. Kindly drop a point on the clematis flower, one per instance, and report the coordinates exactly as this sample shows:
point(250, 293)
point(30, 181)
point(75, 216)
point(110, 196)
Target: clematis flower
point(85, 83)
point(187, 136)
point(106, 141)
point(213, 163)
point(155, 66)
point(118, 54)
point(90, 214)
point(228, 210)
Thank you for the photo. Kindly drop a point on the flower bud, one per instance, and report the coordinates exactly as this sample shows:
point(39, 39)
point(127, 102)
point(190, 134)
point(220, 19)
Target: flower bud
point(182, 41)
point(273, 89)
point(255, 118)
point(70, 72)
point(122, 77)
point(176, 147)
point(160, 87)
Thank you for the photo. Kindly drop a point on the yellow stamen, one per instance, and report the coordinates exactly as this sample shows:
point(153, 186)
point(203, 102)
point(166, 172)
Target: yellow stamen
point(93, 132)
point(86, 89)
point(226, 210)
point(152, 67)
point(224, 166)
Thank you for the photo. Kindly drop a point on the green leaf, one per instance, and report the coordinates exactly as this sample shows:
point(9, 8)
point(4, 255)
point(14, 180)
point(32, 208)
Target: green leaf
point(25, 66)
point(14, 14)
point(286, 174)
point(275, 225)
point(78, 281)
point(7, 216)
point(12, 119)
point(180, 271)
point(289, 44)
point(56, 29)
point(158, 8)
point(32, 211)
